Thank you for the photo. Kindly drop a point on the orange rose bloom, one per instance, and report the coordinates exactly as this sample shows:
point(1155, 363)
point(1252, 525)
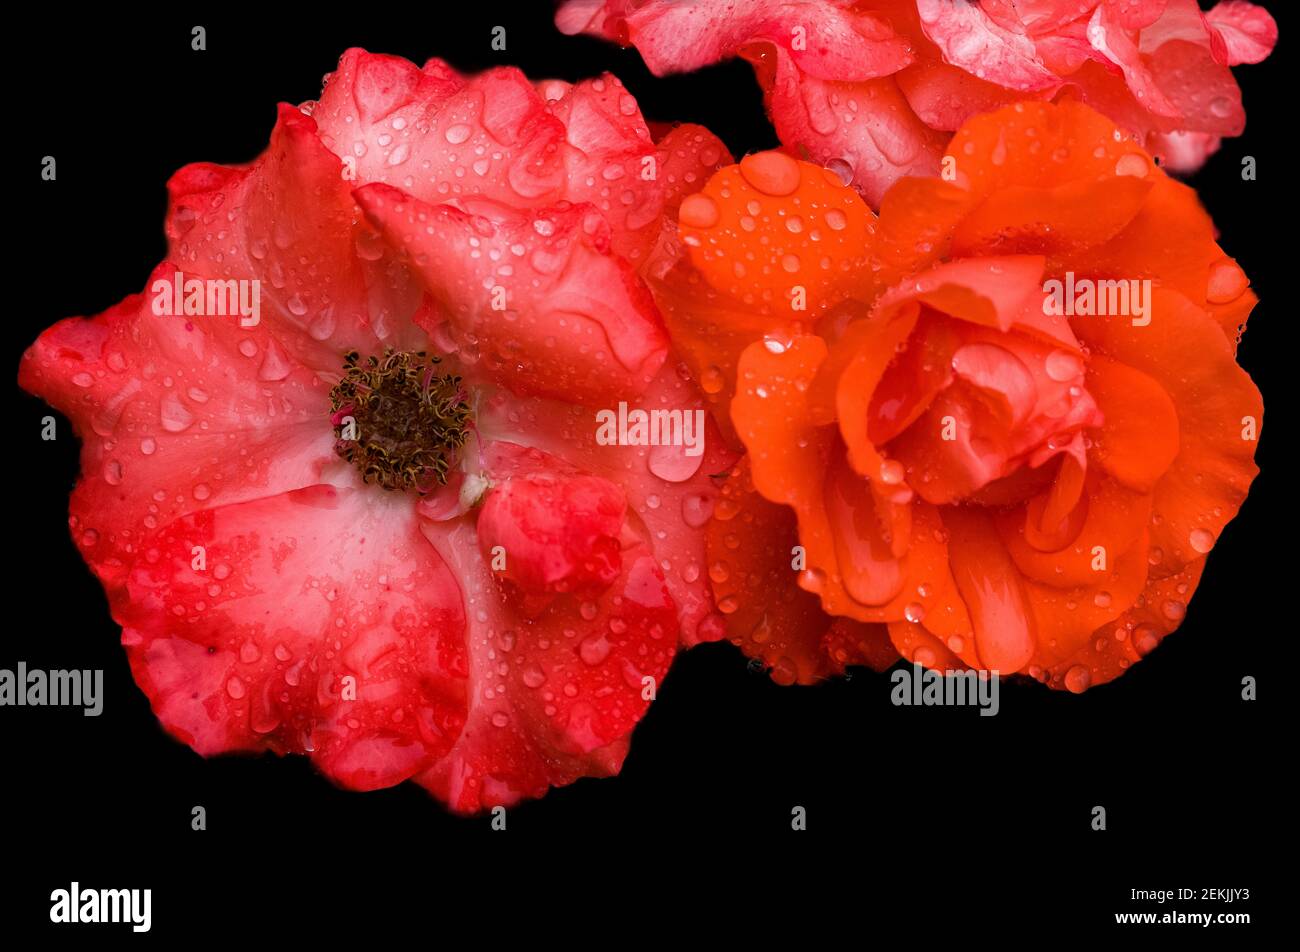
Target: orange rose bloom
point(997, 427)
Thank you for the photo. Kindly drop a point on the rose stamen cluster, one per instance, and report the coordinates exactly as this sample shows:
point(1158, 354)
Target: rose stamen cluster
point(398, 421)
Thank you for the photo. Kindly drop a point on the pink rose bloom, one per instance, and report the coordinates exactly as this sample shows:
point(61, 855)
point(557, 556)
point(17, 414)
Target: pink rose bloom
point(302, 523)
point(873, 88)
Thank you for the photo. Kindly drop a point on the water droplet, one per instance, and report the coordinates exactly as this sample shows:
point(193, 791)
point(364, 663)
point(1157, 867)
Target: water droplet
point(322, 325)
point(698, 211)
point(711, 380)
point(1132, 164)
point(1146, 639)
point(173, 415)
point(594, 650)
point(842, 171)
point(1061, 365)
point(673, 464)
point(1077, 679)
point(697, 508)
point(712, 627)
point(773, 173)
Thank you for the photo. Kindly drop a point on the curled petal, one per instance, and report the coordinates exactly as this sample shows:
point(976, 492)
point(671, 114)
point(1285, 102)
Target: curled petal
point(561, 293)
point(1248, 31)
point(1220, 415)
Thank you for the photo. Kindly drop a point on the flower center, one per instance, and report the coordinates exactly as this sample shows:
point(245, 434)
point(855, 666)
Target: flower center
point(398, 421)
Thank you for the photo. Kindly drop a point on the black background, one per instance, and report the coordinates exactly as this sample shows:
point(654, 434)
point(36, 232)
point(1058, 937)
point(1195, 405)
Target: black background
point(919, 817)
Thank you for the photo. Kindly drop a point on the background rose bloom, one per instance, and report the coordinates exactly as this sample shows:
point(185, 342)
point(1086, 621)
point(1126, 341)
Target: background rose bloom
point(975, 477)
point(871, 87)
point(285, 585)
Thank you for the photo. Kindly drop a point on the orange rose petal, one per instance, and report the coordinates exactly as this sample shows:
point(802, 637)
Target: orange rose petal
point(1116, 646)
point(868, 568)
point(1114, 519)
point(709, 331)
point(771, 415)
point(1043, 145)
point(873, 344)
point(992, 291)
point(917, 219)
point(774, 229)
point(916, 375)
point(929, 594)
point(1171, 241)
point(922, 647)
point(993, 590)
point(1138, 441)
point(749, 545)
point(1220, 414)
point(1016, 489)
point(1063, 498)
point(936, 470)
point(1065, 618)
point(848, 642)
point(1046, 533)
point(1065, 219)
point(926, 591)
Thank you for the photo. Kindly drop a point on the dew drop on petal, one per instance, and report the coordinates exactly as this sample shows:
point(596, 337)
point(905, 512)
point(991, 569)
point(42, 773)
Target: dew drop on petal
point(698, 211)
point(1132, 164)
point(1201, 540)
point(1061, 365)
point(773, 173)
point(1077, 679)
